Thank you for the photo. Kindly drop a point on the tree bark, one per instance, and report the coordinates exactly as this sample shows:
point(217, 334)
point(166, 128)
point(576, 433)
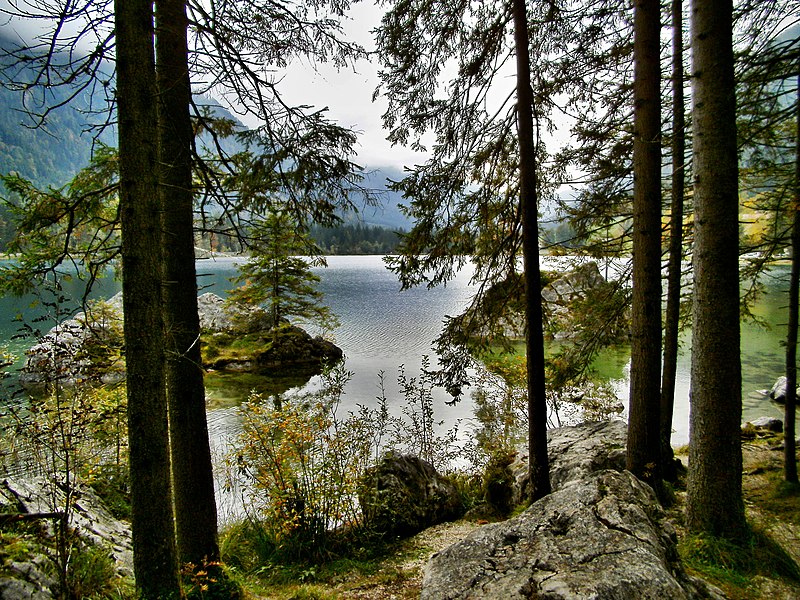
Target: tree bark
point(644, 441)
point(714, 491)
point(192, 473)
point(789, 446)
point(674, 269)
point(155, 559)
point(538, 465)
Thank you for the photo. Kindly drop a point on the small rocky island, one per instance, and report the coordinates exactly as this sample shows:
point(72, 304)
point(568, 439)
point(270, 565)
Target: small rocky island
point(235, 337)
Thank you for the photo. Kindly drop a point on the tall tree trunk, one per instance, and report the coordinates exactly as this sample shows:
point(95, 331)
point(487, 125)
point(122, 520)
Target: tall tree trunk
point(193, 479)
point(674, 271)
point(538, 465)
point(789, 446)
point(714, 491)
point(155, 557)
point(644, 440)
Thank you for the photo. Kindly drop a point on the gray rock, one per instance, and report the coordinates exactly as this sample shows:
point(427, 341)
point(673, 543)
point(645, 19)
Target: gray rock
point(36, 572)
point(217, 315)
point(404, 494)
point(62, 354)
point(767, 424)
point(574, 452)
point(778, 391)
point(89, 517)
point(18, 589)
point(559, 295)
point(602, 536)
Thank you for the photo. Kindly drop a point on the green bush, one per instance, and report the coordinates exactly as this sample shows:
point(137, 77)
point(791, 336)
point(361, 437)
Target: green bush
point(498, 483)
point(304, 462)
point(90, 574)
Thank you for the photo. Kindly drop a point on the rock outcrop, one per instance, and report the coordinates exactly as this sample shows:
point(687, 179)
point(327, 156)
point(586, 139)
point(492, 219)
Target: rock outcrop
point(88, 347)
point(32, 575)
point(600, 534)
point(404, 494)
point(88, 518)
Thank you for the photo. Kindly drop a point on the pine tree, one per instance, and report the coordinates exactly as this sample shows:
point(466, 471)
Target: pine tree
point(153, 530)
point(192, 472)
point(714, 490)
point(644, 446)
point(278, 277)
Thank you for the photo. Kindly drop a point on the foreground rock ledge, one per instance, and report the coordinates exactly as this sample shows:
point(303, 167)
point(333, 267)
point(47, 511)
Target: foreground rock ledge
point(603, 536)
point(600, 535)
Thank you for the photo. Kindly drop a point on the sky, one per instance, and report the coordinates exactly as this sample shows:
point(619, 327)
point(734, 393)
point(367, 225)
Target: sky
point(348, 94)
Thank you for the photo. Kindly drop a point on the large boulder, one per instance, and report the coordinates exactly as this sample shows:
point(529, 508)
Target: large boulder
point(404, 494)
point(573, 453)
point(560, 296)
point(602, 536)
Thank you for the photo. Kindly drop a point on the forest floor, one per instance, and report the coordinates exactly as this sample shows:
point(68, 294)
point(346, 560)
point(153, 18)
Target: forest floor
point(772, 509)
point(773, 514)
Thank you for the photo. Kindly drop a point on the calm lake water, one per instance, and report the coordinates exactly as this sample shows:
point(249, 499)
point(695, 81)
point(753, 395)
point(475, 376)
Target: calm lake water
point(383, 328)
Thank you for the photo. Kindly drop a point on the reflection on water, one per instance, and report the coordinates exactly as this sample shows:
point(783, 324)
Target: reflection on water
point(383, 328)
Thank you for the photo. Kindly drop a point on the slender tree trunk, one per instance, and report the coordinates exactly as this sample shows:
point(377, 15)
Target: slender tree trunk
point(538, 466)
point(789, 446)
point(644, 440)
point(674, 270)
point(714, 491)
point(192, 473)
point(155, 557)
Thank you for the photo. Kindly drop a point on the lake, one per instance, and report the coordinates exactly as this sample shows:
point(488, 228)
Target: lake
point(383, 328)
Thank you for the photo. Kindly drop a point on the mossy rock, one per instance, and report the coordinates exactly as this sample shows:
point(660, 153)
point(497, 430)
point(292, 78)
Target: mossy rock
point(288, 347)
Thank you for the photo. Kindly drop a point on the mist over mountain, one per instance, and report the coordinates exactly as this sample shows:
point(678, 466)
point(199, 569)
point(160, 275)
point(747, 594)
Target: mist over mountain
point(388, 213)
point(51, 153)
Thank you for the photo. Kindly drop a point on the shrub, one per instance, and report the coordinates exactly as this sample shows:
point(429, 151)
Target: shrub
point(304, 462)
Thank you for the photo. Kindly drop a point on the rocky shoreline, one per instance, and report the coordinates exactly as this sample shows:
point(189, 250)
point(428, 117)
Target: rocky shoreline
point(89, 346)
point(600, 534)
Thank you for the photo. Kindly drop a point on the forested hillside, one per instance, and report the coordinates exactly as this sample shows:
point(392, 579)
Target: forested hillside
point(50, 154)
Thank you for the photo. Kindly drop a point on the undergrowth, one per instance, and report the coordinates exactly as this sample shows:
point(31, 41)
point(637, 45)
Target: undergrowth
point(732, 566)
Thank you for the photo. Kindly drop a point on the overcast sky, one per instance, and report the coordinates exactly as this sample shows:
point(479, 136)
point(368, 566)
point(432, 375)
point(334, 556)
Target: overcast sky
point(348, 94)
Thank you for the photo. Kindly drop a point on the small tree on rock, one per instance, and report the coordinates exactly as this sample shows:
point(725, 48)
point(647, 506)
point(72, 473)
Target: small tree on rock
point(278, 274)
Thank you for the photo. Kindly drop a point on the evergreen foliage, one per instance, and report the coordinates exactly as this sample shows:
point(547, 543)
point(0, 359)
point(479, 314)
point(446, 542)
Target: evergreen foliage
point(348, 238)
point(277, 277)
